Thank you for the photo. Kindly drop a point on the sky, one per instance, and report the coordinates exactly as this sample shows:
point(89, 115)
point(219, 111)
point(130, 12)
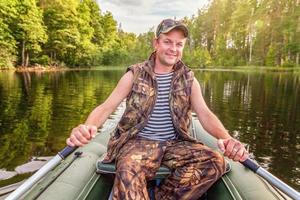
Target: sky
point(139, 16)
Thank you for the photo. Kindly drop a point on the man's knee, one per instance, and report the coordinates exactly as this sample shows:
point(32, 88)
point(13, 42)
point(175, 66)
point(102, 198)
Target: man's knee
point(129, 173)
point(127, 165)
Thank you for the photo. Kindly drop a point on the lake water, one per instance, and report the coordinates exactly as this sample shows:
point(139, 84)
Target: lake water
point(38, 110)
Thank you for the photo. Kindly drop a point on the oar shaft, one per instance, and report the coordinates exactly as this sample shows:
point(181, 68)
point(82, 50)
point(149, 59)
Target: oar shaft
point(34, 178)
point(273, 180)
point(278, 183)
point(40, 173)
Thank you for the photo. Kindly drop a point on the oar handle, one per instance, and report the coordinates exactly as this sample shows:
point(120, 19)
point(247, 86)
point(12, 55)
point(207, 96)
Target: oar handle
point(253, 166)
point(66, 151)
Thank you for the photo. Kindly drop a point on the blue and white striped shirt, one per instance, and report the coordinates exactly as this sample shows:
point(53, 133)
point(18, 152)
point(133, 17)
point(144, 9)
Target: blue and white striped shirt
point(160, 126)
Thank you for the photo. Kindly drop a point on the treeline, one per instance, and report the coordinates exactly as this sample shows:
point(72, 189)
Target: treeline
point(60, 32)
point(76, 33)
point(245, 32)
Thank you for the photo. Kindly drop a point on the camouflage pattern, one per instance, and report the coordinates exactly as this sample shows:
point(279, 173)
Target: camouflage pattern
point(194, 168)
point(140, 103)
point(167, 25)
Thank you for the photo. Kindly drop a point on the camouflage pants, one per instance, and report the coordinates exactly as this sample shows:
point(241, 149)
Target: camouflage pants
point(194, 168)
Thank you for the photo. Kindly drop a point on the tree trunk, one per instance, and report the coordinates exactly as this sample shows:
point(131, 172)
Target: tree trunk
point(23, 53)
point(250, 50)
point(26, 59)
point(51, 57)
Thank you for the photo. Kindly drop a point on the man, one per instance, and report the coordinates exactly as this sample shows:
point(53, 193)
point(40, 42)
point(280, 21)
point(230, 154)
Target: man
point(153, 131)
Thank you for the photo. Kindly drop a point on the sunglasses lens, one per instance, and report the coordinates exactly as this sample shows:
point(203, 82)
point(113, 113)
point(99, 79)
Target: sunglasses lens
point(169, 22)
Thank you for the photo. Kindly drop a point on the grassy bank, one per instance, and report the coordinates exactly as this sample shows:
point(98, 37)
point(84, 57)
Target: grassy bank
point(250, 68)
point(55, 68)
point(123, 67)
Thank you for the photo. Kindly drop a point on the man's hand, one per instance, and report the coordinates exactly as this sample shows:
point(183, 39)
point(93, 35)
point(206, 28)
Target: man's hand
point(233, 149)
point(81, 135)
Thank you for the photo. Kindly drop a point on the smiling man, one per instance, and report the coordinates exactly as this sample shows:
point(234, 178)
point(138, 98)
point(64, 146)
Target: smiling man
point(154, 129)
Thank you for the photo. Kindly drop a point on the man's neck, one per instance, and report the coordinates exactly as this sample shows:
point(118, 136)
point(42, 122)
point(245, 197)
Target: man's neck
point(162, 69)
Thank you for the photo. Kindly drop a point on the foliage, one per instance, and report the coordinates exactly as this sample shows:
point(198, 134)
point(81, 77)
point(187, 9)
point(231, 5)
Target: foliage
point(197, 58)
point(31, 31)
point(248, 32)
point(8, 14)
point(77, 33)
point(42, 60)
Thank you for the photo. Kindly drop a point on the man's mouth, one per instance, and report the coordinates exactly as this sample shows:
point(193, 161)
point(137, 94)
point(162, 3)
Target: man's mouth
point(171, 55)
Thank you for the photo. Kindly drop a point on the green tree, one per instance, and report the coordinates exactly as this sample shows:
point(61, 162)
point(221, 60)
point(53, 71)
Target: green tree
point(82, 54)
point(31, 32)
point(271, 56)
point(109, 26)
point(8, 13)
point(61, 19)
point(242, 32)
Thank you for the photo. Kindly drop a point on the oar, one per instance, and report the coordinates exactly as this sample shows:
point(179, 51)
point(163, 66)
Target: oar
point(273, 180)
point(40, 173)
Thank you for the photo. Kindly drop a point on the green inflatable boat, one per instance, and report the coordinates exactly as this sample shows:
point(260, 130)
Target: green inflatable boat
point(82, 176)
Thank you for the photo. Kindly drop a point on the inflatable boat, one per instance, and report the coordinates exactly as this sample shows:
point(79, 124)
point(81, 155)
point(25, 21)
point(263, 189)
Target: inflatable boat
point(82, 175)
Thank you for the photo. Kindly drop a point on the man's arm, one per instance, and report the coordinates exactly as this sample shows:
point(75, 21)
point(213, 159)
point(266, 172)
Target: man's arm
point(81, 134)
point(210, 122)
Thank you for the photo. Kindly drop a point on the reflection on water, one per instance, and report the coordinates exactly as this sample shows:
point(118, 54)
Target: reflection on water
point(264, 108)
point(38, 110)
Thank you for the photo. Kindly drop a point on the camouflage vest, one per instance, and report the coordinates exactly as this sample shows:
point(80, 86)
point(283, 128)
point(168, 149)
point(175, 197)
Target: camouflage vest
point(140, 103)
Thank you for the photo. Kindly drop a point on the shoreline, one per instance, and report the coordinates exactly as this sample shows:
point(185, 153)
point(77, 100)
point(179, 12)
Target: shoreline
point(59, 68)
point(211, 68)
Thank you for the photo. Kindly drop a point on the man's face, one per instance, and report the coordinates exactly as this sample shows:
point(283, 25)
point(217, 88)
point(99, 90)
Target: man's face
point(169, 47)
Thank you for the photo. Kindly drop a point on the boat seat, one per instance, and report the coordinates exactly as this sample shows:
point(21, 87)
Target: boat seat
point(163, 172)
point(110, 168)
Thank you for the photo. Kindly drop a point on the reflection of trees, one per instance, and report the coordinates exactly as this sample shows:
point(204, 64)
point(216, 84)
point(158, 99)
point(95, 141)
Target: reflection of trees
point(30, 116)
point(39, 115)
point(39, 110)
point(264, 108)
point(78, 93)
point(14, 150)
point(13, 133)
point(26, 78)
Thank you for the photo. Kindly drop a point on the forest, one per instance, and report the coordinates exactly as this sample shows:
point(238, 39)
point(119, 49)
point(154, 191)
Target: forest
point(73, 33)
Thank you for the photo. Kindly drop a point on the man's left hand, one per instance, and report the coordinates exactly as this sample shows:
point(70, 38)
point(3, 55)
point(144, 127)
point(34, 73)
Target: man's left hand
point(233, 149)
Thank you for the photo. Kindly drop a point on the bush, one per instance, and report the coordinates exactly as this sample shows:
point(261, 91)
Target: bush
point(270, 57)
point(288, 63)
point(6, 60)
point(197, 58)
point(42, 60)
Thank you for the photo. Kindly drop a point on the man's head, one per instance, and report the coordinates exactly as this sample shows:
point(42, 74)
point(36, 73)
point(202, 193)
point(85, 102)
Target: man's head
point(169, 41)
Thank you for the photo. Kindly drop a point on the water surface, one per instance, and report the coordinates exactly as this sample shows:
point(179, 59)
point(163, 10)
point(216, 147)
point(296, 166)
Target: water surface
point(38, 110)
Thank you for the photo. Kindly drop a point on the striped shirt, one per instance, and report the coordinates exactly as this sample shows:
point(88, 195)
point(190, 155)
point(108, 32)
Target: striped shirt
point(160, 126)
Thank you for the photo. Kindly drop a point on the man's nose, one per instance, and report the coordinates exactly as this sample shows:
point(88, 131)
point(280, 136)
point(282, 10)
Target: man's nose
point(173, 47)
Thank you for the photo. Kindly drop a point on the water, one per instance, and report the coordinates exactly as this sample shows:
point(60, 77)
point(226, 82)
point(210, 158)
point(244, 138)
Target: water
point(38, 110)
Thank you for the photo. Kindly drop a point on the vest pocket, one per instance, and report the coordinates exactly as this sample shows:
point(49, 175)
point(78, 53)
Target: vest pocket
point(140, 95)
point(181, 101)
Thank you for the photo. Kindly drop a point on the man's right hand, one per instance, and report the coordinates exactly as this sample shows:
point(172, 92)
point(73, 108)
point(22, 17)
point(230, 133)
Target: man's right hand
point(81, 135)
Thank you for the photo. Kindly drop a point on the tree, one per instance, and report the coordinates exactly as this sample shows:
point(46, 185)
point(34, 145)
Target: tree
point(8, 13)
point(30, 32)
point(60, 17)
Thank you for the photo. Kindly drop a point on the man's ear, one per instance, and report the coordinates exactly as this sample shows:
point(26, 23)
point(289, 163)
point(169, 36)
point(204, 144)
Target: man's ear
point(154, 43)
